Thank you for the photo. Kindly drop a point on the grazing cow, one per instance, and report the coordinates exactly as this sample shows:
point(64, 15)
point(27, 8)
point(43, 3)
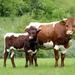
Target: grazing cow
point(56, 33)
point(14, 41)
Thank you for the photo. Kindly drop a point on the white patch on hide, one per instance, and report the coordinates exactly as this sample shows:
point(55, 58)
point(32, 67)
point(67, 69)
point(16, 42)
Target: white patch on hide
point(29, 51)
point(12, 54)
point(54, 23)
point(64, 51)
point(8, 50)
point(50, 23)
point(48, 44)
point(56, 47)
point(12, 48)
point(34, 51)
point(26, 33)
point(69, 32)
point(65, 19)
point(4, 52)
point(15, 34)
point(30, 37)
point(35, 24)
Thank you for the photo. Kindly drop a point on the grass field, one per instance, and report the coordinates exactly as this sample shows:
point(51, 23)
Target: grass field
point(45, 67)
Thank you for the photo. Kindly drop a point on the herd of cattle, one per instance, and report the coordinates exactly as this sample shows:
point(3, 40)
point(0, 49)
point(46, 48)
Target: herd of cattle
point(56, 34)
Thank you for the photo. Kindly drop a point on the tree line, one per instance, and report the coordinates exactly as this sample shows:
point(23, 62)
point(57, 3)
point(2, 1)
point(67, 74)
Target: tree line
point(50, 9)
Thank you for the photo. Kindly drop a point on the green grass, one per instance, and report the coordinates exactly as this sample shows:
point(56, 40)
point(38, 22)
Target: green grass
point(45, 67)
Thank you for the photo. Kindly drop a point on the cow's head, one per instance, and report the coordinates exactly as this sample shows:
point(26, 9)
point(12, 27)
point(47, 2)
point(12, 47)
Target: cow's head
point(32, 32)
point(70, 25)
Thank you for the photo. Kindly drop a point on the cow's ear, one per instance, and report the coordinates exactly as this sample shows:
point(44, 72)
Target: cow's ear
point(63, 22)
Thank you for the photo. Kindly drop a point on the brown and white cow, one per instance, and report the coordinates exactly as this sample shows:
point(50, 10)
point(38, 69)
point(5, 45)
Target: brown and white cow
point(14, 41)
point(55, 33)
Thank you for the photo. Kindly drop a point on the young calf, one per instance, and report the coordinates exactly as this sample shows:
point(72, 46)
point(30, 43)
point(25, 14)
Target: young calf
point(30, 47)
point(33, 45)
point(14, 41)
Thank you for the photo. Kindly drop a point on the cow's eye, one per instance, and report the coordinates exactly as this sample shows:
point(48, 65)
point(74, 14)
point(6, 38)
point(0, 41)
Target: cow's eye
point(66, 25)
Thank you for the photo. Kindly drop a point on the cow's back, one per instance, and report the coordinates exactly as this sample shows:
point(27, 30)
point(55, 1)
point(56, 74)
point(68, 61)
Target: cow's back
point(16, 42)
point(52, 32)
point(46, 33)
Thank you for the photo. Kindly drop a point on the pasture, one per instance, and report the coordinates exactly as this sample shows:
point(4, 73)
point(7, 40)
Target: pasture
point(45, 67)
point(15, 15)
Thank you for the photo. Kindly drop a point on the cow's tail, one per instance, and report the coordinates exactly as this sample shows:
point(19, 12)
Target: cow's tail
point(4, 45)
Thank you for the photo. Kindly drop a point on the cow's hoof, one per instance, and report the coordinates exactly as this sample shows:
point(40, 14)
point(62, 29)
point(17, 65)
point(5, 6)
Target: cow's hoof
point(14, 66)
point(4, 65)
point(26, 65)
point(56, 65)
point(30, 64)
point(62, 65)
point(36, 65)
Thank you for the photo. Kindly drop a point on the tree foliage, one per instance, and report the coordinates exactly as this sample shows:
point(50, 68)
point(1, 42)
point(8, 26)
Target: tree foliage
point(38, 8)
point(16, 14)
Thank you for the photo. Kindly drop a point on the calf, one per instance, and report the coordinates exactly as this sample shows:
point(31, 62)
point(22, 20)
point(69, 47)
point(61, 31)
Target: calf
point(30, 47)
point(33, 44)
point(14, 41)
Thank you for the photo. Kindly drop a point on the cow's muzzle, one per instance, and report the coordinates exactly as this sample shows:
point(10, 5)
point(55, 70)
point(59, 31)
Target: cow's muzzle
point(69, 32)
point(30, 37)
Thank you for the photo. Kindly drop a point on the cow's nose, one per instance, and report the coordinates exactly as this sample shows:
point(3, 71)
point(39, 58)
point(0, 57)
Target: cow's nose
point(30, 37)
point(69, 32)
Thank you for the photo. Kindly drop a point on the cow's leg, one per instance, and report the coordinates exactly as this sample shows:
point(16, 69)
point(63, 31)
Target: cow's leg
point(5, 57)
point(30, 58)
point(12, 58)
point(35, 59)
point(62, 59)
point(56, 53)
point(27, 57)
